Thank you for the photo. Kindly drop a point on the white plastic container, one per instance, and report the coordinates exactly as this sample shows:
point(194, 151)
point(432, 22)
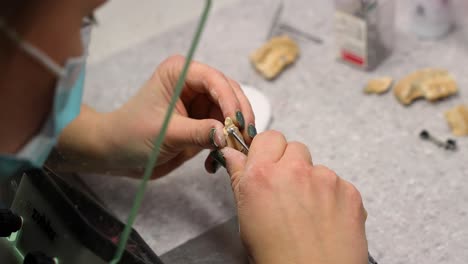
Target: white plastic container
point(432, 19)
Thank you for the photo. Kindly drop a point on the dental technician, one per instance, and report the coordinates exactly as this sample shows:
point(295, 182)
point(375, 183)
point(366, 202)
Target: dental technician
point(290, 210)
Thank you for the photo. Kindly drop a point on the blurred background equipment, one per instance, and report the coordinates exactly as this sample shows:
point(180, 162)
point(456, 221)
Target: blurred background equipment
point(364, 31)
point(432, 19)
point(52, 220)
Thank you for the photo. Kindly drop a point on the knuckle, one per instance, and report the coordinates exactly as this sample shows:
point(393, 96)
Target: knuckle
point(275, 133)
point(354, 199)
point(215, 79)
point(170, 66)
point(299, 173)
point(174, 58)
point(327, 177)
point(272, 134)
point(353, 195)
point(234, 84)
point(319, 168)
point(298, 145)
point(299, 167)
point(302, 148)
point(197, 137)
point(331, 180)
point(213, 73)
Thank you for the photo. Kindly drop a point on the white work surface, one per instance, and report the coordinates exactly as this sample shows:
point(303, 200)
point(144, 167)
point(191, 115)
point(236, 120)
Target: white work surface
point(416, 194)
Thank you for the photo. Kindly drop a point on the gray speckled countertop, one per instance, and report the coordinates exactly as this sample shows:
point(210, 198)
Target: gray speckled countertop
point(415, 193)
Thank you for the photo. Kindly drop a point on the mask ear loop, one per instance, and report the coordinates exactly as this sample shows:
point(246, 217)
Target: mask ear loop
point(124, 236)
point(32, 51)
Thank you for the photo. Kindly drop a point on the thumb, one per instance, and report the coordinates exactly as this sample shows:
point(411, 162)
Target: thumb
point(189, 132)
point(235, 164)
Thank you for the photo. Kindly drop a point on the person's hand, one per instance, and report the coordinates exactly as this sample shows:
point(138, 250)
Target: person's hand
point(291, 211)
point(126, 136)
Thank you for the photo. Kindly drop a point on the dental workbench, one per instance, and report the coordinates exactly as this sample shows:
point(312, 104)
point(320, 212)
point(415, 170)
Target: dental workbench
point(416, 194)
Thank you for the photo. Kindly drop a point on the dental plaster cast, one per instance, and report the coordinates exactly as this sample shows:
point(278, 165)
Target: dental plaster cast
point(274, 56)
point(432, 84)
point(378, 85)
point(457, 119)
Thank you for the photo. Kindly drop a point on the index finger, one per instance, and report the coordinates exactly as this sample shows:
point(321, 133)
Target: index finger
point(203, 79)
point(296, 151)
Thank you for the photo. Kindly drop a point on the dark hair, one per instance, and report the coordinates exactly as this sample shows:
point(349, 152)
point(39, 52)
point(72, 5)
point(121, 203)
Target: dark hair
point(10, 9)
point(10, 12)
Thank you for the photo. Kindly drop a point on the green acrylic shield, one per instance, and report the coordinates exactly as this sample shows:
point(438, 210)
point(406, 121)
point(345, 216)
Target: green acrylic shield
point(159, 140)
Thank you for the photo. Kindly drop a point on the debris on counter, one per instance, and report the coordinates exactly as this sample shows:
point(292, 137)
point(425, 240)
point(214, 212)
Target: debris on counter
point(378, 86)
point(457, 119)
point(432, 84)
point(230, 140)
point(449, 144)
point(274, 56)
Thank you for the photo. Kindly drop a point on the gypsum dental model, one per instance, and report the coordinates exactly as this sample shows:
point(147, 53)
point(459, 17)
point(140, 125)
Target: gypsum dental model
point(230, 139)
point(457, 119)
point(378, 85)
point(274, 56)
point(432, 84)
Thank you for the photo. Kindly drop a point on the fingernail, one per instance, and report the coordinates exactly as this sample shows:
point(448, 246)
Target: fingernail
point(251, 131)
point(216, 166)
point(218, 156)
point(212, 137)
point(240, 119)
point(217, 139)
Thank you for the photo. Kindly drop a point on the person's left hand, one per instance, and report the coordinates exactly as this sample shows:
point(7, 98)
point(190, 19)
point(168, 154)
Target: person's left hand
point(128, 134)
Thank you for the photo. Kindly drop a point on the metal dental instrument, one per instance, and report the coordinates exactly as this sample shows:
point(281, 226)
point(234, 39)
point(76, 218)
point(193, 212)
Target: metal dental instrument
point(275, 19)
point(277, 27)
point(300, 33)
point(232, 132)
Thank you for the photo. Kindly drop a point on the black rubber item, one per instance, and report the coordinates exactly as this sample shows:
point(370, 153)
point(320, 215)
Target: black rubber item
point(9, 222)
point(371, 259)
point(451, 144)
point(424, 134)
point(38, 257)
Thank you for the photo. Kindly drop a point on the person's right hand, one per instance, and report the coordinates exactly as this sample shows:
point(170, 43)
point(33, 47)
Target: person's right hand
point(291, 211)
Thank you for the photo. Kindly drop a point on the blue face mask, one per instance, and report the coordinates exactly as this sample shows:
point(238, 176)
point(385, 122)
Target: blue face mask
point(67, 103)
